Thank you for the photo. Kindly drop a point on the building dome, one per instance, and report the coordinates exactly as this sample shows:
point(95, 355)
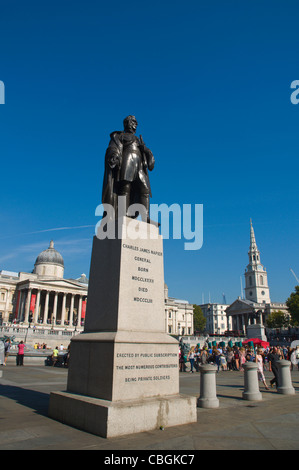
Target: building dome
point(49, 262)
point(50, 256)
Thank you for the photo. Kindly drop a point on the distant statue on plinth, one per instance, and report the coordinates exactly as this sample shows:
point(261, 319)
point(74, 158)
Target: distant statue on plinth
point(127, 162)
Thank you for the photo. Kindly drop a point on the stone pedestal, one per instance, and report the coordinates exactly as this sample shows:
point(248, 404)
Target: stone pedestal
point(208, 398)
point(285, 386)
point(256, 331)
point(123, 375)
point(251, 384)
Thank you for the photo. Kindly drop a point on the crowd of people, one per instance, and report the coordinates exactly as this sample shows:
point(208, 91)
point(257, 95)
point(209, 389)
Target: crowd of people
point(233, 358)
point(40, 346)
point(59, 354)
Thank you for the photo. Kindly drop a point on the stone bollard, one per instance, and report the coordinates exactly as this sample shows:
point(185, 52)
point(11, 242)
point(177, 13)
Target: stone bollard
point(208, 398)
point(251, 384)
point(284, 385)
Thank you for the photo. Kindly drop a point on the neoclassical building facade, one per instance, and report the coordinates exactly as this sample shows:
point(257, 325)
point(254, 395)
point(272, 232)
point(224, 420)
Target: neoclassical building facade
point(178, 316)
point(44, 298)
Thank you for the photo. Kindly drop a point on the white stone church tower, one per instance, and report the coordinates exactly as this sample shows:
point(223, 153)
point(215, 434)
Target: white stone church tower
point(256, 281)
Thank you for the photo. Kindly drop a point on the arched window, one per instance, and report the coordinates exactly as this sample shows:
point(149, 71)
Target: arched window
point(262, 280)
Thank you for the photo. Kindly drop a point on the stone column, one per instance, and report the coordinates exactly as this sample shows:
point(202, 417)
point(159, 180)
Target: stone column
point(20, 305)
point(55, 309)
point(72, 310)
point(27, 306)
point(251, 385)
point(285, 386)
point(46, 308)
point(166, 320)
point(79, 311)
point(243, 323)
point(63, 310)
point(6, 314)
point(208, 398)
point(186, 322)
point(35, 316)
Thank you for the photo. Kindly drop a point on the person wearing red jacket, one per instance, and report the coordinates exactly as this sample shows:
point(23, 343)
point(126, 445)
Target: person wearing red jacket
point(20, 355)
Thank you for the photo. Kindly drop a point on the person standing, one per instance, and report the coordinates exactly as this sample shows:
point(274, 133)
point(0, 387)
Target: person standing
point(191, 357)
point(7, 346)
point(20, 355)
point(293, 358)
point(55, 356)
point(260, 367)
point(223, 362)
point(197, 358)
point(237, 358)
point(273, 358)
point(217, 360)
point(242, 358)
point(182, 360)
point(229, 358)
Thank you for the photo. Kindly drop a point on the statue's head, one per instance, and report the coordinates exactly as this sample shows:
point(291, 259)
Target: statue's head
point(130, 124)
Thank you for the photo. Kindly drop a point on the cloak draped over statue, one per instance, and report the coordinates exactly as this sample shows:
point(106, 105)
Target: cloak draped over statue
point(127, 161)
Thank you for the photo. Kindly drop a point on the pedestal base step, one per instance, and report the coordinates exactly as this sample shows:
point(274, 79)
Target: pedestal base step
point(112, 419)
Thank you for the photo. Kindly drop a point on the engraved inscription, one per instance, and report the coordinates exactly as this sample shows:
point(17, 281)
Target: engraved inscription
point(147, 362)
point(143, 294)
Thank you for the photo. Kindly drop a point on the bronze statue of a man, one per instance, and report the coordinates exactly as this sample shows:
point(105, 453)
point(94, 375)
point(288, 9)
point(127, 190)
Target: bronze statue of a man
point(127, 162)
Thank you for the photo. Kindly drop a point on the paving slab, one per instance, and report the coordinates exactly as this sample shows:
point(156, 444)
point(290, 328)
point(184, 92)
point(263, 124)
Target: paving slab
point(270, 424)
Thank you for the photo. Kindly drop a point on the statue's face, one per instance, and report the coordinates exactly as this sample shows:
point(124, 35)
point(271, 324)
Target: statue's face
point(131, 125)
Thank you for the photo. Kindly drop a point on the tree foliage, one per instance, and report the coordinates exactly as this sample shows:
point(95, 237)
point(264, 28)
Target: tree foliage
point(293, 306)
point(199, 321)
point(277, 320)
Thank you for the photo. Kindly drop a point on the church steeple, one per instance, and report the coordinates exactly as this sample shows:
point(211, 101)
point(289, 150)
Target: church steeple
point(256, 280)
point(253, 253)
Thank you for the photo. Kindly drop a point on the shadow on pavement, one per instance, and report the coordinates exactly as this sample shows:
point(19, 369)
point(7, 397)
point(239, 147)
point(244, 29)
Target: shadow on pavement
point(37, 401)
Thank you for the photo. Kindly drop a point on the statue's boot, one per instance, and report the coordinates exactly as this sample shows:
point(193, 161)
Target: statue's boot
point(144, 200)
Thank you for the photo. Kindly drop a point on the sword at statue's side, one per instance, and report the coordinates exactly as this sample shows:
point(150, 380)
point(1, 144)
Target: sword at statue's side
point(143, 153)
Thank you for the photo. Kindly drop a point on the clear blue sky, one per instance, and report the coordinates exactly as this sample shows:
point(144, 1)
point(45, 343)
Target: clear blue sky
point(209, 82)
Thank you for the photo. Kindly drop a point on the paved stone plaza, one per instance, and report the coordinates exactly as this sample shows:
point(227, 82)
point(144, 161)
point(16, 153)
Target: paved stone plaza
point(271, 424)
